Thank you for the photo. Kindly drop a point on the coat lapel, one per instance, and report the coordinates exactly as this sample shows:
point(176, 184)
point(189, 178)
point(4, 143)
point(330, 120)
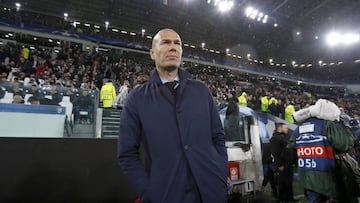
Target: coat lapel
point(164, 90)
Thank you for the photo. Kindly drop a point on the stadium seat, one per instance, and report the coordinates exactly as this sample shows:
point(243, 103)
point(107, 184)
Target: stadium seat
point(8, 98)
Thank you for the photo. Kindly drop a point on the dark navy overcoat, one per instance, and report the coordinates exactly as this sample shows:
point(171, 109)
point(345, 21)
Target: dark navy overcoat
point(178, 133)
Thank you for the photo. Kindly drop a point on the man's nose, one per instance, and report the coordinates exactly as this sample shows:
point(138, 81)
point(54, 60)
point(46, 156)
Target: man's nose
point(172, 47)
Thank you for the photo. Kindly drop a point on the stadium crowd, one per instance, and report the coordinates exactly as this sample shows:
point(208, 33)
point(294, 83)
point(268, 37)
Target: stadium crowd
point(341, 73)
point(76, 73)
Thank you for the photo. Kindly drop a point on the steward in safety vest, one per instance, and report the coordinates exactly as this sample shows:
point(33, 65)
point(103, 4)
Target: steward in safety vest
point(242, 99)
point(107, 94)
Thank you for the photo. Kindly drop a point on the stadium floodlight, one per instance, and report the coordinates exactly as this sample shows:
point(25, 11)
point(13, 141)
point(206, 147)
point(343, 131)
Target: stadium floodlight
point(271, 60)
point(320, 62)
point(209, 1)
point(261, 15)
point(115, 30)
point(249, 11)
point(143, 32)
point(18, 5)
point(264, 20)
point(297, 33)
point(106, 25)
point(66, 14)
point(225, 5)
point(350, 38)
point(87, 25)
point(316, 37)
point(333, 38)
point(35, 38)
point(50, 40)
point(275, 24)
point(248, 55)
point(293, 62)
point(203, 45)
point(227, 51)
point(254, 14)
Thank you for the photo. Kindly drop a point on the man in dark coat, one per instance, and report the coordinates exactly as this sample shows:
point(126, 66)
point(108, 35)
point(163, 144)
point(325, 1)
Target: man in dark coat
point(283, 161)
point(180, 130)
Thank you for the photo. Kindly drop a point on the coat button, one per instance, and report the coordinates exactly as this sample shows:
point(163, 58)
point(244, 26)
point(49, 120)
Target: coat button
point(186, 147)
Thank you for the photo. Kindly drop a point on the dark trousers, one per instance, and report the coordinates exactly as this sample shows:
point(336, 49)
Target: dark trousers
point(284, 182)
point(269, 178)
point(314, 197)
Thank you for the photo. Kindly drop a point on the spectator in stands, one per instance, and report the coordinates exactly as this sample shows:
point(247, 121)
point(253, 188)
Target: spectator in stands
point(108, 94)
point(280, 110)
point(33, 100)
point(176, 120)
point(84, 103)
point(273, 103)
point(123, 93)
point(35, 91)
point(17, 91)
point(18, 99)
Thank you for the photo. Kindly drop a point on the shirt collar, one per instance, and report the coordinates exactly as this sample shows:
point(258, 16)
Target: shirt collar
point(163, 81)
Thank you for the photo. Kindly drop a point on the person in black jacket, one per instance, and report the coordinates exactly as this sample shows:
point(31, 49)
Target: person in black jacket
point(283, 161)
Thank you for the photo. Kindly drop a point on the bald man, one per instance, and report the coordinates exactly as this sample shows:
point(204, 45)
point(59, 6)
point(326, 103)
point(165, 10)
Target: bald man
point(176, 121)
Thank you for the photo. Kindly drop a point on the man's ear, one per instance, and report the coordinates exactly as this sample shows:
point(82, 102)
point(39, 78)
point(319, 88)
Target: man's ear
point(152, 54)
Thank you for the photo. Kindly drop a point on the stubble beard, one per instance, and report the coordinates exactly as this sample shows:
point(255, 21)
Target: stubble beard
point(171, 68)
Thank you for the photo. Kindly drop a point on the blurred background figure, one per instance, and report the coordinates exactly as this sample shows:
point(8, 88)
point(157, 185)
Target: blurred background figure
point(107, 94)
point(123, 93)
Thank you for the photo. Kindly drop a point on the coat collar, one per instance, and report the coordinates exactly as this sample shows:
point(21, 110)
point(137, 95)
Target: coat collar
point(155, 78)
point(184, 78)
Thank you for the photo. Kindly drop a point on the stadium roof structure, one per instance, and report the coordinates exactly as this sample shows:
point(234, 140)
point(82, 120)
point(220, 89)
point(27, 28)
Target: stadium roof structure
point(299, 36)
